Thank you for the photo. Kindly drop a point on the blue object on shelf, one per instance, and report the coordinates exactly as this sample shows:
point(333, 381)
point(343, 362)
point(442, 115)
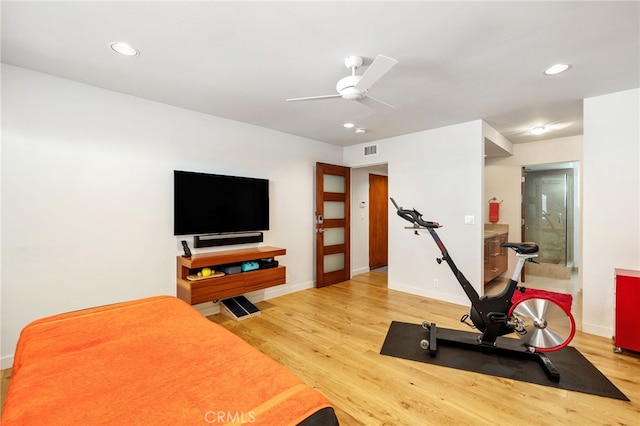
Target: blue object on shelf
point(249, 266)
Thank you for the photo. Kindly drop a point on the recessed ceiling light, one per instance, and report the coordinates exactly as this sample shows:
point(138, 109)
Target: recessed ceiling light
point(349, 125)
point(557, 69)
point(124, 48)
point(538, 130)
point(360, 130)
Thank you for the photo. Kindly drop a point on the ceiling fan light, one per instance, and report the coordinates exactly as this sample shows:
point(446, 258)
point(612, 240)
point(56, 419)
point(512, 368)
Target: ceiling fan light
point(557, 69)
point(352, 96)
point(346, 88)
point(538, 130)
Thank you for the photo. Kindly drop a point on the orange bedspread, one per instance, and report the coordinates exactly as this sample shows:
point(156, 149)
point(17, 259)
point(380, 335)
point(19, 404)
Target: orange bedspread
point(152, 361)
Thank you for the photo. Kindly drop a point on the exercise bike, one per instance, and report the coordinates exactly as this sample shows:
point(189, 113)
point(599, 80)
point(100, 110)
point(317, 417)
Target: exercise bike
point(541, 319)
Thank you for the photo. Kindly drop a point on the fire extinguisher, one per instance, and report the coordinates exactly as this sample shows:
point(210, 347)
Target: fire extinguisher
point(494, 210)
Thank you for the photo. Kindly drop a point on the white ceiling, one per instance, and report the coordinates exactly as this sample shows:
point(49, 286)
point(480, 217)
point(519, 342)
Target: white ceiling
point(458, 61)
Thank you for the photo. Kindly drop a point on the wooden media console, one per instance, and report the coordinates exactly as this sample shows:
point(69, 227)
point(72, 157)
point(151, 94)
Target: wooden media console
point(221, 287)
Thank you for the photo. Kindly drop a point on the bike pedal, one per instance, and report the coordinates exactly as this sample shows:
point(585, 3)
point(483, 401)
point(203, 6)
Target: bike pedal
point(464, 319)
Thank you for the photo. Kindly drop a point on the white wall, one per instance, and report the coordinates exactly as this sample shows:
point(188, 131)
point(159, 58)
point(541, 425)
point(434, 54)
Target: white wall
point(502, 179)
point(439, 172)
point(611, 202)
point(87, 194)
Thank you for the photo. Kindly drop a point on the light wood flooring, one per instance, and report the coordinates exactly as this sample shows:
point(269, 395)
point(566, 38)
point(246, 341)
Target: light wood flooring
point(331, 338)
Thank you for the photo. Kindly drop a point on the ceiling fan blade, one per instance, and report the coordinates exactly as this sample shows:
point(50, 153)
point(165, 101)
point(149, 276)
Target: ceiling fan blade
point(312, 98)
point(380, 66)
point(377, 104)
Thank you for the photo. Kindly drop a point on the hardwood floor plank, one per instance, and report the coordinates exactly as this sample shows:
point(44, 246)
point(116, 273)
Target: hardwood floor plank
point(331, 338)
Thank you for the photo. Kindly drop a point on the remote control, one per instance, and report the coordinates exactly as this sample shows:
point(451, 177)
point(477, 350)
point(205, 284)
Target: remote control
point(185, 246)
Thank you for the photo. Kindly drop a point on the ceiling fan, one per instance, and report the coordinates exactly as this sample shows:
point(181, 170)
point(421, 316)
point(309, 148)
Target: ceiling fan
point(355, 87)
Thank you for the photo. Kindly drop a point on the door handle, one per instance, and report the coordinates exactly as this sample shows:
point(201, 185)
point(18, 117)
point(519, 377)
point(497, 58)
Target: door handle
point(320, 230)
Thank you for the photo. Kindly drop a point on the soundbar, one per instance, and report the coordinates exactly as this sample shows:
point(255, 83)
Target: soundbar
point(215, 240)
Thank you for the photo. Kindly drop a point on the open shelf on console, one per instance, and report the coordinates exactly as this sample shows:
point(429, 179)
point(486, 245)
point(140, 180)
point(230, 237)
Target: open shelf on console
point(218, 288)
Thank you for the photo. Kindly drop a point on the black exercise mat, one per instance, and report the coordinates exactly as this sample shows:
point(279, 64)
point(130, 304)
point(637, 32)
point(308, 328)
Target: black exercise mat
point(576, 372)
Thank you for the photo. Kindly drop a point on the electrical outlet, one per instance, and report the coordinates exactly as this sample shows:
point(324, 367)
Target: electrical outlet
point(436, 283)
point(469, 220)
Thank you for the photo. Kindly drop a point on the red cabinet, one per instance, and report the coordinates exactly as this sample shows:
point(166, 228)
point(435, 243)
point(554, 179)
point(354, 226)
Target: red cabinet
point(627, 326)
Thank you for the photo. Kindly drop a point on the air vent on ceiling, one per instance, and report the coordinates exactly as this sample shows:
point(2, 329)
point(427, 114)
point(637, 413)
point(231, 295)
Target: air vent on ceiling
point(370, 150)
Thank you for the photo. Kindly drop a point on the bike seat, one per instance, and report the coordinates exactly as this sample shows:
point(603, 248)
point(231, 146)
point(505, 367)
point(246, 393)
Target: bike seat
point(522, 248)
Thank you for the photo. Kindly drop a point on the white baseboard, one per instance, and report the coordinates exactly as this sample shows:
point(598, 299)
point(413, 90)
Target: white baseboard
point(6, 362)
point(359, 271)
point(598, 330)
point(281, 290)
point(419, 291)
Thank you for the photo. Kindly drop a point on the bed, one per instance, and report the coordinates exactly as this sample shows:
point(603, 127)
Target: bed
point(152, 361)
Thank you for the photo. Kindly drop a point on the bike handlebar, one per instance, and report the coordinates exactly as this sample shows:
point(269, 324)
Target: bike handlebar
point(414, 217)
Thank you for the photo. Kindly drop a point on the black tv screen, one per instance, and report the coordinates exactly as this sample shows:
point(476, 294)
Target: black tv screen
point(215, 204)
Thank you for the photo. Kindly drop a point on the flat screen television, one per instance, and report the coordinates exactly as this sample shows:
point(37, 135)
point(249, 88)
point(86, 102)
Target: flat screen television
point(218, 204)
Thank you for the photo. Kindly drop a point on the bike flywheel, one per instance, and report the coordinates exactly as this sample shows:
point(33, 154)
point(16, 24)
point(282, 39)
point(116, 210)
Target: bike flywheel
point(548, 325)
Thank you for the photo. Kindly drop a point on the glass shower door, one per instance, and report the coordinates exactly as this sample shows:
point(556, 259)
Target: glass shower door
point(547, 213)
